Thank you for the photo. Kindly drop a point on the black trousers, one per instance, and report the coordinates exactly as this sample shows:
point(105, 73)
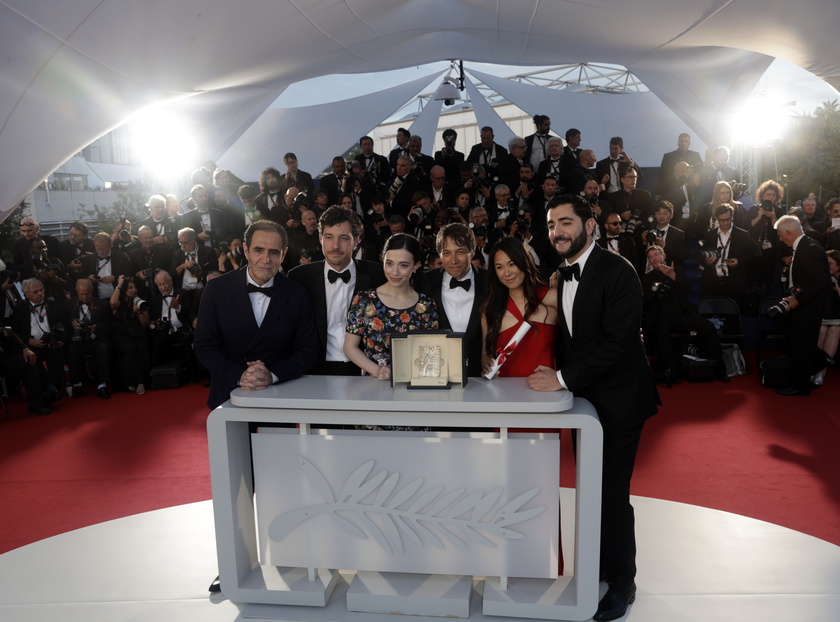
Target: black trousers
point(99, 348)
point(12, 364)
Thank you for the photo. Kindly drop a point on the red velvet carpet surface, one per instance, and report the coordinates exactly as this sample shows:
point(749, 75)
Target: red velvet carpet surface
point(736, 447)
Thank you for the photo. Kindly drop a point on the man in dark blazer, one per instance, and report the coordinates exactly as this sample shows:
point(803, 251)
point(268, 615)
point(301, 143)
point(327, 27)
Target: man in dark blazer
point(458, 289)
point(339, 232)
point(105, 266)
point(810, 282)
point(294, 177)
point(600, 357)
point(333, 182)
point(209, 223)
point(671, 239)
point(41, 325)
point(727, 273)
point(164, 229)
point(487, 153)
point(89, 331)
point(617, 242)
point(255, 326)
point(191, 262)
point(376, 166)
point(667, 183)
point(608, 170)
point(147, 260)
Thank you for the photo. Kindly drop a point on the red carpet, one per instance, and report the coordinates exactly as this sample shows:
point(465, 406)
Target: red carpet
point(736, 447)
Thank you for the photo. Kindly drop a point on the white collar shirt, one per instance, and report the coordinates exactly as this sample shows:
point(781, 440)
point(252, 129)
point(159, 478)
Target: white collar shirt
point(568, 298)
point(458, 302)
point(338, 295)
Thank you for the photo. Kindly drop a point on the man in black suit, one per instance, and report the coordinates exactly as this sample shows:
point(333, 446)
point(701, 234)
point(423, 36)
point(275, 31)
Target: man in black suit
point(400, 150)
point(458, 289)
point(333, 282)
point(717, 170)
point(666, 184)
point(376, 167)
point(333, 182)
point(450, 158)
point(191, 262)
point(608, 170)
point(91, 323)
point(75, 246)
point(682, 194)
point(617, 242)
point(664, 235)
point(537, 143)
point(164, 229)
point(580, 172)
point(209, 223)
point(147, 260)
point(172, 315)
point(487, 153)
point(403, 187)
point(105, 266)
point(726, 270)
point(29, 230)
point(270, 195)
point(552, 166)
point(510, 164)
point(41, 326)
point(600, 357)
point(810, 282)
point(256, 327)
point(631, 203)
point(421, 164)
point(571, 152)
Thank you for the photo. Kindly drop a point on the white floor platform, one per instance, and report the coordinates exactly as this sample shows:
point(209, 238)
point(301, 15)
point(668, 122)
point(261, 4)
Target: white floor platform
point(695, 565)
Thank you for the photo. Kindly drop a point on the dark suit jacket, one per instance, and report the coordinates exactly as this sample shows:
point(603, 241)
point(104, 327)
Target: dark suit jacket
point(218, 224)
point(380, 170)
point(369, 275)
point(303, 183)
point(604, 360)
point(402, 203)
point(227, 335)
point(119, 265)
point(576, 178)
point(809, 270)
point(56, 316)
point(170, 230)
point(603, 167)
point(67, 252)
point(332, 185)
point(206, 258)
point(476, 155)
point(627, 248)
point(741, 247)
point(666, 182)
point(431, 287)
point(100, 314)
point(675, 245)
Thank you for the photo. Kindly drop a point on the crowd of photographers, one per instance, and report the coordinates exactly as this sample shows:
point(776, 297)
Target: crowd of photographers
point(131, 297)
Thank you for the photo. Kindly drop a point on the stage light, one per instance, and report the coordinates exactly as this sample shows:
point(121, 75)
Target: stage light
point(761, 122)
point(165, 144)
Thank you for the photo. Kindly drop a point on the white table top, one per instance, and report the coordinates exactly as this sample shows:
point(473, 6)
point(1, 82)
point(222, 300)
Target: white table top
point(500, 395)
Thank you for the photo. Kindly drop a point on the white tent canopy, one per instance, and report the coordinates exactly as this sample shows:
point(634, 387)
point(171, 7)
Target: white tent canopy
point(75, 69)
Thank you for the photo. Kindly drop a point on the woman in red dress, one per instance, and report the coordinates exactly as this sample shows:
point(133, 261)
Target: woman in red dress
point(517, 294)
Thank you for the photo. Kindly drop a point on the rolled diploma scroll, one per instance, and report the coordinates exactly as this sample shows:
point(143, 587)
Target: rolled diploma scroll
point(507, 350)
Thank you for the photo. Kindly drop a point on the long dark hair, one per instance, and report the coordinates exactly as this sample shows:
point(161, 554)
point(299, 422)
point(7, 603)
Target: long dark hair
point(403, 241)
point(495, 303)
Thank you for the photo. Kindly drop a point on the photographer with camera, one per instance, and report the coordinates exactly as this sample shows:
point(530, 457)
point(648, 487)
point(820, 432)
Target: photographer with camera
point(630, 200)
point(666, 311)
point(761, 218)
point(304, 243)
point(172, 315)
point(663, 234)
point(231, 255)
point(48, 269)
point(76, 246)
point(164, 230)
point(487, 153)
point(608, 170)
point(191, 262)
point(294, 178)
point(403, 187)
point(12, 294)
point(706, 221)
point(104, 266)
point(148, 259)
point(725, 255)
point(209, 223)
point(121, 238)
point(19, 361)
point(717, 170)
point(90, 334)
point(450, 158)
point(810, 284)
point(441, 192)
point(683, 193)
point(40, 324)
point(421, 164)
point(617, 242)
point(552, 165)
point(131, 339)
point(30, 229)
point(376, 167)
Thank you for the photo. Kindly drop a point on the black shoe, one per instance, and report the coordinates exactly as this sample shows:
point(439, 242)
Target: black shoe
point(663, 379)
point(615, 602)
point(77, 392)
point(39, 410)
point(722, 375)
point(103, 394)
point(215, 586)
point(52, 395)
point(794, 391)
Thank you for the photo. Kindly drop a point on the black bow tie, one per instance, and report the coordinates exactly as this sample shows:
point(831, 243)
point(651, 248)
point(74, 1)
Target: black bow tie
point(253, 289)
point(567, 272)
point(453, 283)
point(40, 306)
point(332, 276)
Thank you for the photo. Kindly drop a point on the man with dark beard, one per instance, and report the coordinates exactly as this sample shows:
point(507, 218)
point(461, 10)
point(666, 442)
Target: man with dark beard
point(601, 358)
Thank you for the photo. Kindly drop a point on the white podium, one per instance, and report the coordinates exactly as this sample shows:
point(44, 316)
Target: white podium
point(272, 589)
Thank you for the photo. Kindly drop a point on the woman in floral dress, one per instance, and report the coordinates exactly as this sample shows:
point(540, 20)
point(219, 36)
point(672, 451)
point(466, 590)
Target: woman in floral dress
point(393, 307)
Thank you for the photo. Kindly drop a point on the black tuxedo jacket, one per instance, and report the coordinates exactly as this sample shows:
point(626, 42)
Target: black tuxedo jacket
point(206, 258)
point(431, 287)
point(379, 170)
point(570, 158)
point(56, 316)
point(187, 307)
point(809, 270)
point(170, 230)
point(369, 275)
point(67, 252)
point(604, 360)
point(675, 245)
point(508, 171)
point(666, 182)
point(227, 336)
point(627, 248)
point(159, 258)
point(476, 155)
point(604, 167)
point(451, 164)
point(218, 224)
point(100, 314)
point(120, 264)
point(545, 168)
point(402, 203)
point(303, 182)
point(332, 185)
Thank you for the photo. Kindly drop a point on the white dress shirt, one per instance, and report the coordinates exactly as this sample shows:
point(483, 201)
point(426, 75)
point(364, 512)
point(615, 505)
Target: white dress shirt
point(568, 298)
point(339, 295)
point(457, 302)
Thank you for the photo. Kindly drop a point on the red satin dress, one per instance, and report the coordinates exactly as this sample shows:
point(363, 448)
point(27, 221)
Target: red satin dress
point(536, 347)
